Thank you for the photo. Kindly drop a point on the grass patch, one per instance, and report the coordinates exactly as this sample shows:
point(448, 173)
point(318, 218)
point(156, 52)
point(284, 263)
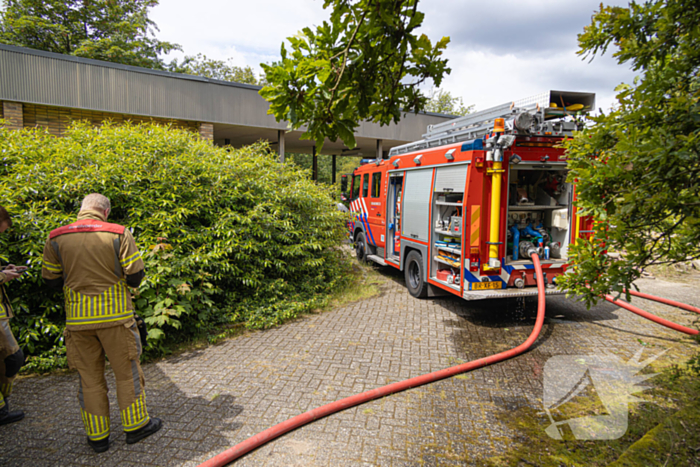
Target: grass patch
point(363, 282)
point(662, 430)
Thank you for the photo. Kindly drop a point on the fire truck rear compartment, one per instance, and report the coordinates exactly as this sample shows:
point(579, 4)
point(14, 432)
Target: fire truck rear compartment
point(539, 212)
point(447, 222)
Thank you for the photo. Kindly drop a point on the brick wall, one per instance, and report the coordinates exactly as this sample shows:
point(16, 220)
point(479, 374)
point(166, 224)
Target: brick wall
point(58, 119)
point(12, 113)
point(206, 131)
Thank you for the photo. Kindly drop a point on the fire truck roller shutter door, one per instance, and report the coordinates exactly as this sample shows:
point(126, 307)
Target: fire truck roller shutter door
point(452, 178)
point(416, 204)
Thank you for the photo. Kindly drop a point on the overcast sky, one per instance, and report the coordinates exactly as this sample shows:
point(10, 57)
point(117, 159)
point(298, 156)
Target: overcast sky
point(499, 51)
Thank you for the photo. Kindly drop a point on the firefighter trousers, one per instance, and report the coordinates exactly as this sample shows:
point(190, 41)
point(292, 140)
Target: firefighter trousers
point(86, 352)
point(9, 354)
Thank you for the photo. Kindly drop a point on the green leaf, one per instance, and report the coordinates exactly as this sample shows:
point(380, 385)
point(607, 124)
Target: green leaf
point(364, 65)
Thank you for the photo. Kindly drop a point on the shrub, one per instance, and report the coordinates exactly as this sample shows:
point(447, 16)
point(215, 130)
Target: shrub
point(228, 236)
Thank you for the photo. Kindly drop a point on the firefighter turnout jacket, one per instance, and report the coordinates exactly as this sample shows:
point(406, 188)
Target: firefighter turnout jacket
point(95, 260)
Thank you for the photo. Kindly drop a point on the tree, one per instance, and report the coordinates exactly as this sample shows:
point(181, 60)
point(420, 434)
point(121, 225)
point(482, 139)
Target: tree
point(365, 64)
point(347, 164)
point(638, 168)
point(113, 30)
point(200, 65)
point(305, 161)
point(344, 165)
point(442, 102)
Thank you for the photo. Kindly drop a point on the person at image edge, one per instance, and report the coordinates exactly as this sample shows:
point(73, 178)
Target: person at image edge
point(11, 356)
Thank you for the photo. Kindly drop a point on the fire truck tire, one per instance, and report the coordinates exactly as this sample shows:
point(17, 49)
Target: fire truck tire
point(415, 279)
point(361, 248)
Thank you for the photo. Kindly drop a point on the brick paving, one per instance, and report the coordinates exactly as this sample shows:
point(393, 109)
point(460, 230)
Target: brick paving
point(214, 398)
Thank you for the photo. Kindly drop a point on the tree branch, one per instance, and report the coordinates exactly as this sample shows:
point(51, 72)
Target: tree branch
point(397, 81)
point(345, 60)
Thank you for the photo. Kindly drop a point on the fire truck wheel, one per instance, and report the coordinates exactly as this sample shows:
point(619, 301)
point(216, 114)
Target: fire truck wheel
point(361, 248)
point(415, 282)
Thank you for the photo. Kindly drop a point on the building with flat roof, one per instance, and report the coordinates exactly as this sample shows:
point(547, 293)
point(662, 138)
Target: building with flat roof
point(49, 90)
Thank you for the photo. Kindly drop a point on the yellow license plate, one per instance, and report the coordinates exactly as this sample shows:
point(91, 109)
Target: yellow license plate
point(485, 285)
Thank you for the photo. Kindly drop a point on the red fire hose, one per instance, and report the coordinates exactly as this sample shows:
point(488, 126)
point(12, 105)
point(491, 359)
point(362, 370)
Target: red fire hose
point(663, 300)
point(278, 430)
point(271, 433)
point(656, 319)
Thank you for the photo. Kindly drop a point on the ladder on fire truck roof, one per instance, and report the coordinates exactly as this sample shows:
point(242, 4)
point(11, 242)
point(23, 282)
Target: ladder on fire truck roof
point(535, 116)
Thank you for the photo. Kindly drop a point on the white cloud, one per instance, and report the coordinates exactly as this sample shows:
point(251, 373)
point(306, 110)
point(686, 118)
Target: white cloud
point(487, 79)
point(519, 48)
point(249, 32)
point(499, 52)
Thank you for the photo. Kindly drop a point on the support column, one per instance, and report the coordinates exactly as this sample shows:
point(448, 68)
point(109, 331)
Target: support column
point(333, 169)
point(206, 131)
point(314, 165)
point(380, 153)
point(13, 114)
point(280, 144)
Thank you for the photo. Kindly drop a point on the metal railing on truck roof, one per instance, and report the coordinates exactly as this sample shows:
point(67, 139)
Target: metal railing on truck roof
point(540, 115)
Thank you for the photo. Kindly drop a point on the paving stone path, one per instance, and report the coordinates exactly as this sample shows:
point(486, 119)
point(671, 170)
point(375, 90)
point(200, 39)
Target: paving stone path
point(214, 398)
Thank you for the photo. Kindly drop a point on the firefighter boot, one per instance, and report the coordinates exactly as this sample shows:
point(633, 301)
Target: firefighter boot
point(99, 446)
point(154, 424)
point(10, 417)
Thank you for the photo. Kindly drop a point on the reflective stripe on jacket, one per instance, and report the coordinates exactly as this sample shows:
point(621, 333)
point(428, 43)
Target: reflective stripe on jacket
point(110, 305)
point(93, 257)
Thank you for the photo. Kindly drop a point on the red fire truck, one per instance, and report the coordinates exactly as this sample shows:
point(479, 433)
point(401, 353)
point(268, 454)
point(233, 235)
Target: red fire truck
point(460, 210)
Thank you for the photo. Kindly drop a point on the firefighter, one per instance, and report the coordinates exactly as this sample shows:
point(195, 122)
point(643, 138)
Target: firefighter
point(94, 261)
point(11, 356)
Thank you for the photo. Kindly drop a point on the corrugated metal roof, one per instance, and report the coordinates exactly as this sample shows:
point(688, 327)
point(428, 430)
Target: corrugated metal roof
point(46, 78)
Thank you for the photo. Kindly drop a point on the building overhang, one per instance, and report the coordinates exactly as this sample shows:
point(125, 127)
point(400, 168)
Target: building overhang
point(238, 112)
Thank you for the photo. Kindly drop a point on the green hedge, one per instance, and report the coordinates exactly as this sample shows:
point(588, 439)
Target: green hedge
point(228, 236)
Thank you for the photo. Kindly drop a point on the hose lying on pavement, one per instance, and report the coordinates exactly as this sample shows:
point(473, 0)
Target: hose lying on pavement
point(271, 433)
point(649, 316)
point(663, 300)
